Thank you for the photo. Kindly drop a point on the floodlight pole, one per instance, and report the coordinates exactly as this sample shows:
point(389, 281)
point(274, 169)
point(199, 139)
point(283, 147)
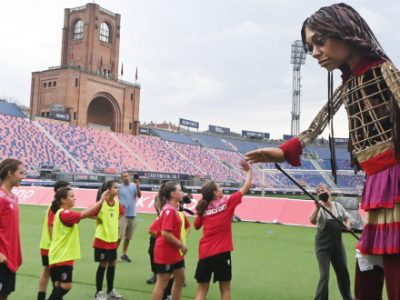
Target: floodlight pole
point(297, 59)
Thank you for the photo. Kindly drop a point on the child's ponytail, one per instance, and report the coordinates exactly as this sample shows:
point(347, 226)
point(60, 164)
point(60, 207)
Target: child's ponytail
point(207, 193)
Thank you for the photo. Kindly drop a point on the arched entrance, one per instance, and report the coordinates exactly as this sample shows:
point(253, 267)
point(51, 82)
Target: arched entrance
point(103, 112)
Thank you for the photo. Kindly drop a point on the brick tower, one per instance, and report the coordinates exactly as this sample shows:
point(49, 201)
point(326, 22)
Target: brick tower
point(85, 89)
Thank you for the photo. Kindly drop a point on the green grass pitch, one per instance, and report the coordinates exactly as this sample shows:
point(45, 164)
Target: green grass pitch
point(269, 262)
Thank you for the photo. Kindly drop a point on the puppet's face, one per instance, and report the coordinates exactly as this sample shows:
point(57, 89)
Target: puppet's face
point(331, 53)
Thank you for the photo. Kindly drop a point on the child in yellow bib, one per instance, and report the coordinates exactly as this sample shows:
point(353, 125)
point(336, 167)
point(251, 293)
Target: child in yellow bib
point(45, 242)
point(184, 228)
point(65, 247)
point(106, 238)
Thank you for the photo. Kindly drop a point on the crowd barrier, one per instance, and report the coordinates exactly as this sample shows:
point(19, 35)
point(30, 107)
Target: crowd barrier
point(256, 209)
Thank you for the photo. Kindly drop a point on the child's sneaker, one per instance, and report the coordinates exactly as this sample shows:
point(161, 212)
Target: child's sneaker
point(126, 258)
point(151, 280)
point(114, 295)
point(100, 296)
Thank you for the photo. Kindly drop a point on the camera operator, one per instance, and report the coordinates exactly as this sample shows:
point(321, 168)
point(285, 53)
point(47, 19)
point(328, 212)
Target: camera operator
point(329, 245)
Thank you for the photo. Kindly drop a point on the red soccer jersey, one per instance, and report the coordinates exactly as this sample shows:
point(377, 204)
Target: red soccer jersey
point(154, 228)
point(69, 217)
point(50, 218)
point(165, 252)
point(217, 226)
point(10, 244)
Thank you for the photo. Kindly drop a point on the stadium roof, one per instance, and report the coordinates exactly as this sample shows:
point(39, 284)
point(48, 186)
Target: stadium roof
point(7, 108)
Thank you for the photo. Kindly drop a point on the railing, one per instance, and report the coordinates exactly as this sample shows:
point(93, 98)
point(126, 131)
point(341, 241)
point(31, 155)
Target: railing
point(107, 12)
point(103, 10)
point(78, 8)
point(100, 74)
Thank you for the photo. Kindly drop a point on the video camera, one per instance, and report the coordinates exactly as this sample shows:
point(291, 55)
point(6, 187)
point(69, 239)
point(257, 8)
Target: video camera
point(187, 199)
point(136, 178)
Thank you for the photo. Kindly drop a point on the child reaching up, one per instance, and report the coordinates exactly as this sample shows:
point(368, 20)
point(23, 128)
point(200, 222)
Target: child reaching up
point(214, 214)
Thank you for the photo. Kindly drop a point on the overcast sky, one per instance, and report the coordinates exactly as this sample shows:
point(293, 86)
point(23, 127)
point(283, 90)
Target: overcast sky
point(223, 62)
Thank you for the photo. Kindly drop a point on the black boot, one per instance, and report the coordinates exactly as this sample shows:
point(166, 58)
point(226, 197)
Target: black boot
point(152, 279)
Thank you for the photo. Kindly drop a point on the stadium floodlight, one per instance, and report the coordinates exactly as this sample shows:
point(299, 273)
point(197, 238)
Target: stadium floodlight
point(297, 59)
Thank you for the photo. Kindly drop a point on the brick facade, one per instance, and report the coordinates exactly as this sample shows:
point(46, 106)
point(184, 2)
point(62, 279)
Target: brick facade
point(86, 82)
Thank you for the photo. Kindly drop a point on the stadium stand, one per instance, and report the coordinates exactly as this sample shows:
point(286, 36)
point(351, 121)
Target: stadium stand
point(340, 163)
point(324, 153)
point(246, 146)
point(159, 155)
point(72, 149)
point(173, 137)
point(94, 148)
point(22, 139)
point(210, 141)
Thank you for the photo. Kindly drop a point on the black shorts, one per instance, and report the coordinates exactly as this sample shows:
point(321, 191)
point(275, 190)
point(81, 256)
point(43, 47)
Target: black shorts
point(45, 260)
point(160, 269)
point(220, 265)
point(105, 255)
point(7, 280)
point(61, 274)
point(152, 243)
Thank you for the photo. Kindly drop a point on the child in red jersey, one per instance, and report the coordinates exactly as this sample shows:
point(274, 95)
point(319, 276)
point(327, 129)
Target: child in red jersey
point(45, 243)
point(106, 240)
point(169, 248)
point(11, 174)
point(214, 214)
